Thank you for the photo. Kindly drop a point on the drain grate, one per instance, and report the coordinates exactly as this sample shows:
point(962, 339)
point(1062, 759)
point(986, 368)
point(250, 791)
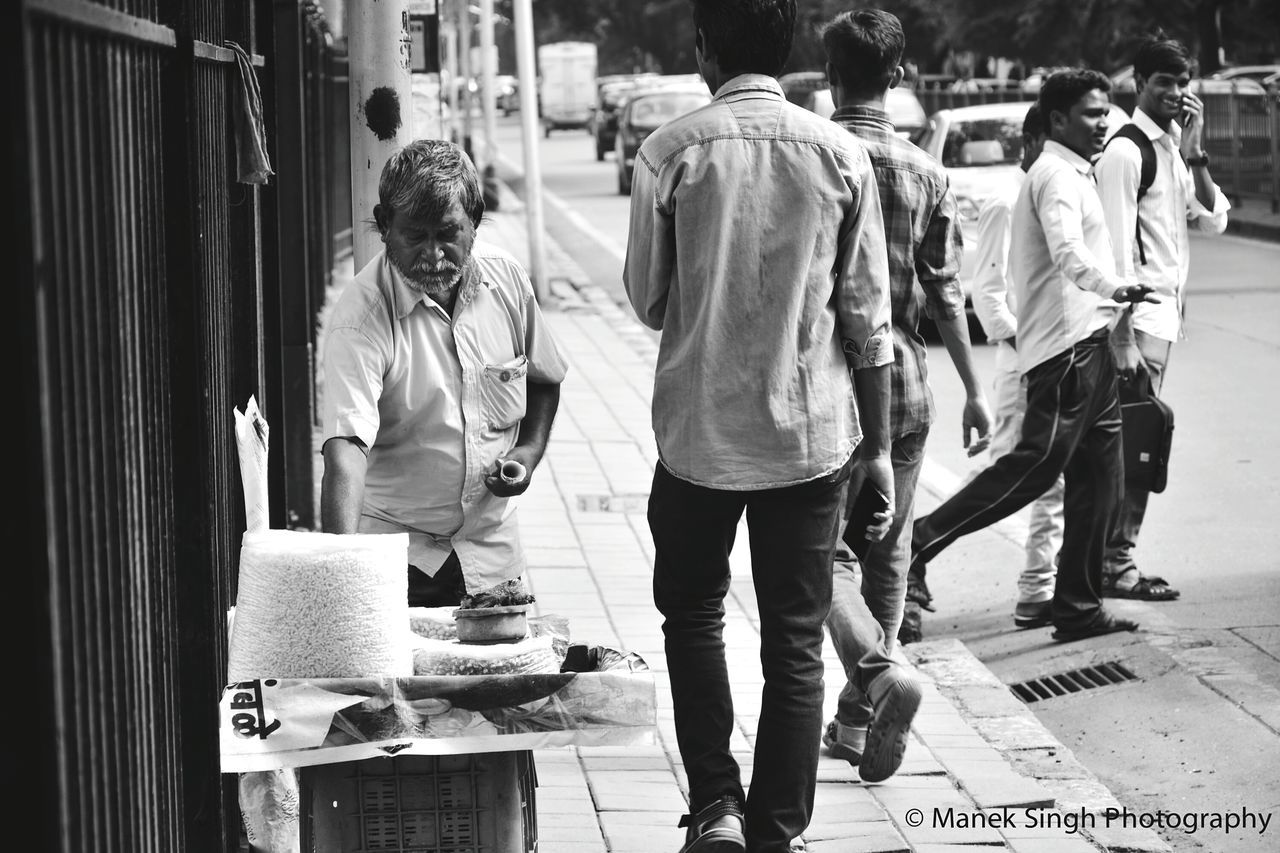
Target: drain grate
point(1073, 681)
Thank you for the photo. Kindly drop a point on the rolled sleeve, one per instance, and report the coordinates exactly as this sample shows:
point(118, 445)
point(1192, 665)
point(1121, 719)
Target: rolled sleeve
point(1204, 220)
point(938, 260)
point(353, 372)
point(862, 278)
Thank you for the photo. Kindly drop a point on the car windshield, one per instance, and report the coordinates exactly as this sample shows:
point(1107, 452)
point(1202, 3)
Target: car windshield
point(984, 142)
point(654, 111)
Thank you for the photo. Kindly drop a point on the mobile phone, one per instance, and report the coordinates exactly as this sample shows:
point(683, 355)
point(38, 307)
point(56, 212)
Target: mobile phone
point(869, 501)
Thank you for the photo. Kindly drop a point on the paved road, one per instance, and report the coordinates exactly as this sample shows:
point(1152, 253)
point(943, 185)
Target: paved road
point(1199, 730)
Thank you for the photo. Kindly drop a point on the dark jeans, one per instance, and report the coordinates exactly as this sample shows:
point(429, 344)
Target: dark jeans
point(792, 537)
point(446, 587)
point(1072, 427)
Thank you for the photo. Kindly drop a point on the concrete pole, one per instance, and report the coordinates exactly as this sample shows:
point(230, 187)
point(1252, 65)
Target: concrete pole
point(526, 61)
point(468, 73)
point(381, 108)
point(450, 76)
point(488, 71)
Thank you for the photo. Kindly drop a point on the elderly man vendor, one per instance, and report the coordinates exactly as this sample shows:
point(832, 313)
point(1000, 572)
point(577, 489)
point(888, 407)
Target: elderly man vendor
point(438, 368)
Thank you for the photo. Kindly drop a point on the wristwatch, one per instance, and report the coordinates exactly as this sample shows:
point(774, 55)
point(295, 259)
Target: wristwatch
point(1202, 160)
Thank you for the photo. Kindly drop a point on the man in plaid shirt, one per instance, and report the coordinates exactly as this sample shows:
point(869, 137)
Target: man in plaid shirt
point(864, 50)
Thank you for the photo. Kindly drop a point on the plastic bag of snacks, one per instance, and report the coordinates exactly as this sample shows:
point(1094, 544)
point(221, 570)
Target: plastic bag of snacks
point(535, 654)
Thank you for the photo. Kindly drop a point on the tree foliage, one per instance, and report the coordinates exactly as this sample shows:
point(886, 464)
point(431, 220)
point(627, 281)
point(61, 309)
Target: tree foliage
point(656, 35)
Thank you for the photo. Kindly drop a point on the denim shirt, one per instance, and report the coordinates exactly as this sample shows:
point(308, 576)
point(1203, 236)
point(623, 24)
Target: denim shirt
point(757, 246)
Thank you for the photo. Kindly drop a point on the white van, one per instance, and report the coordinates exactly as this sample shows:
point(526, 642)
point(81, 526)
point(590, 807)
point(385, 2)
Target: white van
point(567, 87)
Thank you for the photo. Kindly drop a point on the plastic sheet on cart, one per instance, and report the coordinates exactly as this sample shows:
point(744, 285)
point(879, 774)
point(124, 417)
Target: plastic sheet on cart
point(270, 723)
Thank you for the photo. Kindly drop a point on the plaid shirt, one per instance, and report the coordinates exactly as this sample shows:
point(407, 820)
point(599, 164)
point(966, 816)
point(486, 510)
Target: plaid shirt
point(922, 230)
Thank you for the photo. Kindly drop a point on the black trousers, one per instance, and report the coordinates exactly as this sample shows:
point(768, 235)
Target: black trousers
point(792, 534)
point(1072, 427)
point(446, 587)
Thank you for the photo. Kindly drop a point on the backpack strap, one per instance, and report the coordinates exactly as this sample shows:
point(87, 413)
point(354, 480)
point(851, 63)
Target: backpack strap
point(1146, 177)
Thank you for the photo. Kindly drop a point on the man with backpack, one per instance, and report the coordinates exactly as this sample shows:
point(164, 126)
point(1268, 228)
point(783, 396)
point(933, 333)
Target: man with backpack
point(1154, 182)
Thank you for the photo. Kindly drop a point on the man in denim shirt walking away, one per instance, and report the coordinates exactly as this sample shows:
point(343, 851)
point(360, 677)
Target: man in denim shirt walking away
point(757, 246)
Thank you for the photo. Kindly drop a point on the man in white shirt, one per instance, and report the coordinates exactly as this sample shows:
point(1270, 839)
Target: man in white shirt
point(995, 307)
point(1148, 229)
point(1068, 294)
point(438, 368)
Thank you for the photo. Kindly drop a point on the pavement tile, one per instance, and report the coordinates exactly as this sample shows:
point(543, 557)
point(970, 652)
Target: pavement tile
point(1076, 794)
point(949, 755)
point(1024, 732)
point(602, 780)
point(835, 798)
point(1128, 840)
point(1051, 845)
point(579, 846)
point(877, 844)
point(983, 700)
point(645, 796)
point(956, 848)
point(878, 837)
point(630, 762)
point(1002, 788)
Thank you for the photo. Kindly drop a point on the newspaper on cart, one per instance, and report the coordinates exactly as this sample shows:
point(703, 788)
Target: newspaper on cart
point(272, 723)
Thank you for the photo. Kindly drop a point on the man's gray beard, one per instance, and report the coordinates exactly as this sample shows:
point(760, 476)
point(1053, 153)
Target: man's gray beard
point(427, 284)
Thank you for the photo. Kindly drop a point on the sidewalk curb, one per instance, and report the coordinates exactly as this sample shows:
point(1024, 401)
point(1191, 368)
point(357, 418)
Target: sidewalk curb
point(1254, 230)
point(1033, 751)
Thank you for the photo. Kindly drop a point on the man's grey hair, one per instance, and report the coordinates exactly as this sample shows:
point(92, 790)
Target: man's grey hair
point(424, 178)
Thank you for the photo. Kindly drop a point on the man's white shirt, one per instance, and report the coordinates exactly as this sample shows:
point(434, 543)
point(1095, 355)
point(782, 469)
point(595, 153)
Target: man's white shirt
point(1061, 264)
point(1166, 211)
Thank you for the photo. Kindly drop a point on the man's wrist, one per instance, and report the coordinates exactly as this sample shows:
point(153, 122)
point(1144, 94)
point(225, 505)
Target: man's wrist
point(1198, 160)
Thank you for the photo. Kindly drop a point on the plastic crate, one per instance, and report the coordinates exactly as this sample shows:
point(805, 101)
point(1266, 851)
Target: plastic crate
point(475, 803)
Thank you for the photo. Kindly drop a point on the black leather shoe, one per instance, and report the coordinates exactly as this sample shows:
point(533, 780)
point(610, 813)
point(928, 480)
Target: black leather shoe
point(717, 828)
point(918, 590)
point(1103, 623)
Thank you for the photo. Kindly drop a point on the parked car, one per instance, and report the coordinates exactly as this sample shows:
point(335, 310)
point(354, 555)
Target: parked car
point(904, 109)
point(611, 90)
point(645, 110)
point(506, 91)
point(797, 85)
point(1262, 73)
point(981, 148)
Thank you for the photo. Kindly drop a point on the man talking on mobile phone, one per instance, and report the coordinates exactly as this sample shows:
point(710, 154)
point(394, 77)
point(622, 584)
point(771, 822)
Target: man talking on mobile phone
point(1153, 178)
point(1069, 296)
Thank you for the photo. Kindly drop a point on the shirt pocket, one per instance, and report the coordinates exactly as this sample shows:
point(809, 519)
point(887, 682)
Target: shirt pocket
point(503, 392)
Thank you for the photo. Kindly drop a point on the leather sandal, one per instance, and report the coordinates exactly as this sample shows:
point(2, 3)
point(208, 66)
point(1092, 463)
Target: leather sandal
point(1146, 589)
point(703, 838)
